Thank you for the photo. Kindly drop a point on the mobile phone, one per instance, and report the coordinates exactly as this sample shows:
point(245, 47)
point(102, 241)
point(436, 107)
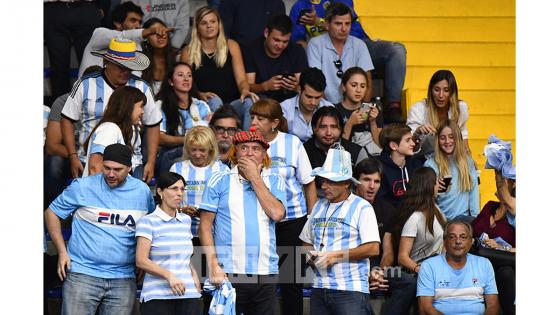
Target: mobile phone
point(446, 183)
point(301, 13)
point(286, 74)
point(365, 108)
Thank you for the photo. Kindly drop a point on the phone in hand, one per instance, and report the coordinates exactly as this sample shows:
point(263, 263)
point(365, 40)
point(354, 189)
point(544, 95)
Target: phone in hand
point(301, 13)
point(364, 109)
point(287, 74)
point(446, 183)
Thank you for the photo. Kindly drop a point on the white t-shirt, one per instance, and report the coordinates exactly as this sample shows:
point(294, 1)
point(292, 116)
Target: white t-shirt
point(425, 244)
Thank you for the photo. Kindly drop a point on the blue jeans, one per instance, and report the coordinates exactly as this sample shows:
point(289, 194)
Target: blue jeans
point(166, 157)
point(213, 3)
point(241, 108)
point(390, 56)
point(327, 301)
point(83, 294)
point(403, 293)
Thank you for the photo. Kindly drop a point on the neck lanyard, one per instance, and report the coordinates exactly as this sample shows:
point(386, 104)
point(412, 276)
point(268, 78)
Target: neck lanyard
point(321, 245)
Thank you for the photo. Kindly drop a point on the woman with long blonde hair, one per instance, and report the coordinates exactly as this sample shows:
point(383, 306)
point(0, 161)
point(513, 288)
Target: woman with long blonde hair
point(450, 159)
point(217, 64)
point(442, 104)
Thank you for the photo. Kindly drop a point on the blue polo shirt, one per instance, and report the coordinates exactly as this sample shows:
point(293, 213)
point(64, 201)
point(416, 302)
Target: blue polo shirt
point(322, 54)
point(104, 222)
point(296, 123)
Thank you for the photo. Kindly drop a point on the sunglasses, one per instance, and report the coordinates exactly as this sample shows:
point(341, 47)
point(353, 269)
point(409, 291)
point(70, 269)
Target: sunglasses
point(338, 65)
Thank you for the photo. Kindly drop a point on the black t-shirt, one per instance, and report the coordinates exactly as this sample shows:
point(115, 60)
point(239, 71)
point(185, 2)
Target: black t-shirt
point(385, 214)
point(361, 127)
point(292, 60)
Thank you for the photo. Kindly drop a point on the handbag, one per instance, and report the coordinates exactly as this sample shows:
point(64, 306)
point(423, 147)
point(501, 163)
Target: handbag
point(497, 257)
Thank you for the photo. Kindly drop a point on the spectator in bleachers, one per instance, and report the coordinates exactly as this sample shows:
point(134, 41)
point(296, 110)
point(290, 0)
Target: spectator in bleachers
point(239, 210)
point(180, 112)
point(417, 234)
point(362, 122)
point(336, 51)
point(197, 165)
point(457, 282)
point(461, 198)
point(56, 167)
point(164, 248)
point(397, 162)
point(493, 220)
point(119, 124)
point(162, 57)
point(368, 173)
point(101, 249)
point(341, 237)
point(225, 123)
point(217, 64)
point(442, 103)
point(127, 18)
point(273, 63)
point(90, 96)
point(244, 20)
point(67, 23)
point(299, 109)
point(327, 131)
point(173, 13)
point(288, 160)
point(389, 57)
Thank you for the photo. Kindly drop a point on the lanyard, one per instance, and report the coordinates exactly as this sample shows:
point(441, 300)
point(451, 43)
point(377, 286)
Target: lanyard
point(321, 245)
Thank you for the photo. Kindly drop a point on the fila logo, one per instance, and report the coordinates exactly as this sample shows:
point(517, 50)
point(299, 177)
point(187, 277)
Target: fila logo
point(115, 219)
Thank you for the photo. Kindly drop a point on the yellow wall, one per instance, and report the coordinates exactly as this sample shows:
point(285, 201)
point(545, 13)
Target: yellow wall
point(476, 40)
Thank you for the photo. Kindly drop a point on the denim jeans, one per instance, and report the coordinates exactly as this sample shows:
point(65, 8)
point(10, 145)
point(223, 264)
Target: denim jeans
point(213, 3)
point(390, 56)
point(241, 108)
point(55, 176)
point(83, 294)
point(327, 301)
point(403, 293)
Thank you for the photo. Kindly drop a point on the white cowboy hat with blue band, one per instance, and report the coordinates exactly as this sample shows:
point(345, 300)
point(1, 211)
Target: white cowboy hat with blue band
point(337, 166)
point(123, 52)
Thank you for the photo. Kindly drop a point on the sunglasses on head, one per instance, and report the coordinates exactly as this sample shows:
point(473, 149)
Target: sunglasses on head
point(338, 65)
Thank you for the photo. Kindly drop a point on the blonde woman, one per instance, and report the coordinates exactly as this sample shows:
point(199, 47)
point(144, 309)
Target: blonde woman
point(442, 104)
point(461, 198)
point(217, 64)
point(200, 151)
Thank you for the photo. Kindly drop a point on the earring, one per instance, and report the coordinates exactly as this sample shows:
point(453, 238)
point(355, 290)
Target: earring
point(272, 129)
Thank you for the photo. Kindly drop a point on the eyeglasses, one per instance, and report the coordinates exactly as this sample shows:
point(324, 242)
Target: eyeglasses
point(177, 189)
point(254, 148)
point(453, 237)
point(230, 130)
point(338, 65)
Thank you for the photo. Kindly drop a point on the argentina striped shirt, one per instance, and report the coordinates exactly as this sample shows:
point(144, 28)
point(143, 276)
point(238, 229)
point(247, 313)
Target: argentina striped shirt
point(89, 98)
point(196, 178)
point(338, 226)
point(290, 161)
point(244, 236)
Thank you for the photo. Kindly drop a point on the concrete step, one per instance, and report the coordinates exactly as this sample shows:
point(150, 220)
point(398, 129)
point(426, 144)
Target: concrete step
point(460, 54)
point(473, 78)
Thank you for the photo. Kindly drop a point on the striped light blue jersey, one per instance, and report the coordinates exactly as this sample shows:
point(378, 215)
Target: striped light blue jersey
point(108, 133)
point(89, 98)
point(171, 249)
point(196, 178)
point(244, 235)
point(290, 161)
point(104, 222)
point(46, 112)
point(457, 291)
point(343, 225)
point(195, 115)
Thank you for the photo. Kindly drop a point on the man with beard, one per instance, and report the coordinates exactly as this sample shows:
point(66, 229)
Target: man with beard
point(98, 268)
point(225, 123)
point(457, 282)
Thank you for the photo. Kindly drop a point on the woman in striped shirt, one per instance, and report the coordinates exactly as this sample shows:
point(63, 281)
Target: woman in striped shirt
point(164, 249)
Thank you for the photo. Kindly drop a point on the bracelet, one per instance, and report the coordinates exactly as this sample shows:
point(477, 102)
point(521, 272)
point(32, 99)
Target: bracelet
point(70, 155)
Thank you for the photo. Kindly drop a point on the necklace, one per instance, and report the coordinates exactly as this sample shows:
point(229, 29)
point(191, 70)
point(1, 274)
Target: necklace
point(321, 245)
point(210, 55)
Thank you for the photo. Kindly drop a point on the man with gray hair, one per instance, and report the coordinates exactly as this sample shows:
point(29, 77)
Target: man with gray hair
point(456, 282)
